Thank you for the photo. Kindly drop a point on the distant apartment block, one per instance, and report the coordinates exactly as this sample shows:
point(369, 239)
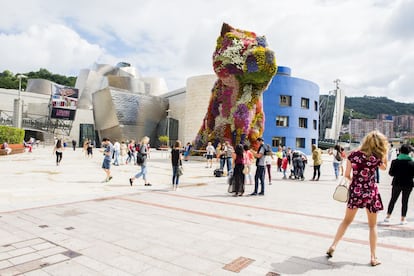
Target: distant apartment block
point(360, 127)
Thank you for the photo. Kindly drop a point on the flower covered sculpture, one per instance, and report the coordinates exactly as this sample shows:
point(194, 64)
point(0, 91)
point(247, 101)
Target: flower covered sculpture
point(244, 66)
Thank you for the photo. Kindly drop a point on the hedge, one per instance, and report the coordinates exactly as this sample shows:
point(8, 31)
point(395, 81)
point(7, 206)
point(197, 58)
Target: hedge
point(11, 135)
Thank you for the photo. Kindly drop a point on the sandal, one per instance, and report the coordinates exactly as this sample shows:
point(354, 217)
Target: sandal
point(329, 253)
point(375, 262)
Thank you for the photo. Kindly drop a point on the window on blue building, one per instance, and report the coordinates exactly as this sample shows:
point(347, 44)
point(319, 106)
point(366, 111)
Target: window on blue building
point(315, 124)
point(282, 121)
point(316, 105)
point(285, 100)
point(304, 103)
point(303, 122)
point(278, 141)
point(300, 142)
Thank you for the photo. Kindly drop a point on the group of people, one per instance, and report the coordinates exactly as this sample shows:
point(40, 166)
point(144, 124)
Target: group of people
point(360, 170)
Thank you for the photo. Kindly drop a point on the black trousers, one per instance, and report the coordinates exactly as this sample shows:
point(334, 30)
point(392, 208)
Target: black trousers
point(396, 190)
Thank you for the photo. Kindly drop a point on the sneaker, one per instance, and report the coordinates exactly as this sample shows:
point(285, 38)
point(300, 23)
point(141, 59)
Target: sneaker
point(386, 220)
point(253, 194)
point(261, 194)
point(109, 179)
point(130, 181)
point(403, 222)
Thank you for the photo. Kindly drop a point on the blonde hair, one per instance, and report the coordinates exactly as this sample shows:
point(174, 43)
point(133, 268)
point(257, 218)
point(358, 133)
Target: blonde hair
point(375, 143)
point(145, 140)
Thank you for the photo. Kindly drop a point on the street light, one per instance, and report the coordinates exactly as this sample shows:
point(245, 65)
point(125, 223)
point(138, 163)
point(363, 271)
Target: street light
point(18, 104)
point(349, 125)
point(168, 127)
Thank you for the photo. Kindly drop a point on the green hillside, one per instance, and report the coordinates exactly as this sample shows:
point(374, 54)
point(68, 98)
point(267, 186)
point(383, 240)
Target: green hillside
point(369, 107)
point(9, 80)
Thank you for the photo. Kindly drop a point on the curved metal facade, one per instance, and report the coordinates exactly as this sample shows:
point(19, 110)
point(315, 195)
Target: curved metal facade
point(291, 108)
point(123, 115)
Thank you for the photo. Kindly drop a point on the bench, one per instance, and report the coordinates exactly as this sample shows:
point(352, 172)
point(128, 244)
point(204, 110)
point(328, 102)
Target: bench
point(16, 148)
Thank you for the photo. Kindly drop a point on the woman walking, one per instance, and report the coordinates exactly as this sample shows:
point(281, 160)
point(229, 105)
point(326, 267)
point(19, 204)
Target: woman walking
point(176, 157)
point(402, 169)
point(143, 151)
point(363, 191)
point(58, 150)
point(317, 162)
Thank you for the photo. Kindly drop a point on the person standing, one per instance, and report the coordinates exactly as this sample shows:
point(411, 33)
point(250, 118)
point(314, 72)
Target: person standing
point(131, 152)
point(343, 157)
point(279, 158)
point(176, 157)
point(210, 152)
point(260, 169)
point(284, 166)
point(187, 151)
point(58, 150)
point(74, 144)
point(249, 161)
point(117, 152)
point(402, 170)
point(124, 151)
point(268, 162)
point(143, 150)
point(106, 164)
point(337, 159)
point(238, 176)
point(229, 156)
point(89, 149)
point(317, 162)
point(363, 191)
point(221, 152)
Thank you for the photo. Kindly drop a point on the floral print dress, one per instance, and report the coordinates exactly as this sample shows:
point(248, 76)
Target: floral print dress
point(363, 191)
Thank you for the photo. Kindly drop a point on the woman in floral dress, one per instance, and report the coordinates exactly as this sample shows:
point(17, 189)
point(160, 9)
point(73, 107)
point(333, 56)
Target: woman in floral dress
point(363, 191)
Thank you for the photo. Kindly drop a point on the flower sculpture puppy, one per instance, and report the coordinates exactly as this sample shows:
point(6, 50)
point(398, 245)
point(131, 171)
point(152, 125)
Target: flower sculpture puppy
point(244, 66)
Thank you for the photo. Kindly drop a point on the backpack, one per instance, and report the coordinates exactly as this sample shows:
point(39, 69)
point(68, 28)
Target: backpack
point(338, 156)
point(140, 156)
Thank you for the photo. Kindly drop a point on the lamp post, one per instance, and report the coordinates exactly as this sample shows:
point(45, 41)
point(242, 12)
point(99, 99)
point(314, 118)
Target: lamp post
point(349, 125)
point(168, 127)
point(18, 105)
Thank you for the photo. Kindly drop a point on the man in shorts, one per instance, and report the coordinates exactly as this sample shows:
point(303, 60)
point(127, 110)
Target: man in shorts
point(106, 165)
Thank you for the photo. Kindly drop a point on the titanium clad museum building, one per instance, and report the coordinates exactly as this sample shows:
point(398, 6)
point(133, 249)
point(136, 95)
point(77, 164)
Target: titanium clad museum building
point(116, 102)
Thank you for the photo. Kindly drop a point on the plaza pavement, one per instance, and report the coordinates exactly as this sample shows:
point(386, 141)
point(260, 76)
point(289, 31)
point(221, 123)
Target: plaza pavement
point(62, 220)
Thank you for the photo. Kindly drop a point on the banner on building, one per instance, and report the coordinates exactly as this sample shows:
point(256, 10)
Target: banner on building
point(64, 102)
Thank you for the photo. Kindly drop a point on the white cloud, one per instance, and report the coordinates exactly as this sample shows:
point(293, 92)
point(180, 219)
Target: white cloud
point(367, 44)
point(54, 47)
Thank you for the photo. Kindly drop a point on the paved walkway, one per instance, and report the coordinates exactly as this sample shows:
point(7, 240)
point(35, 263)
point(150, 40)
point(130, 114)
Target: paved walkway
point(61, 220)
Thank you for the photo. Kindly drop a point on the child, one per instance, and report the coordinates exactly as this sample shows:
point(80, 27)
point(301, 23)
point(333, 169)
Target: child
point(284, 166)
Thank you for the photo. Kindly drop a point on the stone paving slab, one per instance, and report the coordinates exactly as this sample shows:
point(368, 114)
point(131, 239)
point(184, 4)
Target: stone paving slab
point(64, 221)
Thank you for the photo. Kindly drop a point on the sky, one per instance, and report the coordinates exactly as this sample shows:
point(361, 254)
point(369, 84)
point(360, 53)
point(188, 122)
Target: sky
point(367, 44)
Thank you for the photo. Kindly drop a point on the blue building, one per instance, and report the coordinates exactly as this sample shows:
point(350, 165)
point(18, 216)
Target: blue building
point(291, 107)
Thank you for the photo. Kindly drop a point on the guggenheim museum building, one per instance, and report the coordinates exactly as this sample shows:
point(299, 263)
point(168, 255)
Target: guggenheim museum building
point(115, 101)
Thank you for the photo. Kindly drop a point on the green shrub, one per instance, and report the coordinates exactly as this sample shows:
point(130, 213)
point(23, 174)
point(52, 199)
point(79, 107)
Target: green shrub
point(163, 139)
point(11, 135)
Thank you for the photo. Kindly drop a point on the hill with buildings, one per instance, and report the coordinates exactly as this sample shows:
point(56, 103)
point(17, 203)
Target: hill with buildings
point(368, 107)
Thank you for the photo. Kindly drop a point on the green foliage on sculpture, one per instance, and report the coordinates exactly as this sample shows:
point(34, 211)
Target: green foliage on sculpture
point(244, 66)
